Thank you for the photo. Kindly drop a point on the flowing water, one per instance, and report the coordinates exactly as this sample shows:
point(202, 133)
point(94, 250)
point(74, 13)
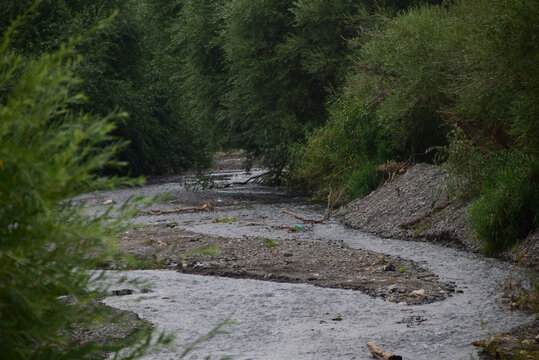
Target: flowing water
point(294, 321)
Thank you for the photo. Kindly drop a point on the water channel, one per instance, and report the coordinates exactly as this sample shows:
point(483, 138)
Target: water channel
point(294, 321)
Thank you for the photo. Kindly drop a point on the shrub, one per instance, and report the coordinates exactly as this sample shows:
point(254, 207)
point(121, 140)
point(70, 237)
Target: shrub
point(48, 155)
point(508, 208)
point(344, 153)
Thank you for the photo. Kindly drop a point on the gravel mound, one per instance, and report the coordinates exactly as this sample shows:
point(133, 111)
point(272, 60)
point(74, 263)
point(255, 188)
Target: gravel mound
point(415, 206)
point(527, 253)
point(325, 264)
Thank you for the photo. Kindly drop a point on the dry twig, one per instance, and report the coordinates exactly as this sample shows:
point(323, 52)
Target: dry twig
point(205, 207)
point(381, 354)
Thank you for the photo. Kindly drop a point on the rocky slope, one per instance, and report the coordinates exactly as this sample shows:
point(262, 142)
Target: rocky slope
point(416, 206)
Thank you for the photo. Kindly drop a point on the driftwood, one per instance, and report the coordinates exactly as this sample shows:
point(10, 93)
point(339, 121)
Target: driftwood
point(244, 182)
point(380, 354)
point(310, 221)
point(332, 201)
point(205, 207)
point(426, 216)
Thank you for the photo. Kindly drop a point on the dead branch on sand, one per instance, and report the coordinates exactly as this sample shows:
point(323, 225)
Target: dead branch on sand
point(381, 354)
point(205, 207)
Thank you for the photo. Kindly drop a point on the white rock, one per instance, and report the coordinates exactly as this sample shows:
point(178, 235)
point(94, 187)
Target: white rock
point(419, 292)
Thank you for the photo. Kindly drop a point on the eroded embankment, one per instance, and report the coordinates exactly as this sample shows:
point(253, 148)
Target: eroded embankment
point(414, 205)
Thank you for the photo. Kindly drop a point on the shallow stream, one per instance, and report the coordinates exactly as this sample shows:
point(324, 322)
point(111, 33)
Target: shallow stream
point(294, 321)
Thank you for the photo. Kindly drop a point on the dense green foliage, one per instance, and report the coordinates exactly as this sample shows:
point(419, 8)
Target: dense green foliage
point(199, 80)
point(201, 76)
point(49, 153)
point(385, 111)
point(118, 72)
point(470, 66)
point(508, 207)
point(323, 91)
point(344, 153)
point(269, 100)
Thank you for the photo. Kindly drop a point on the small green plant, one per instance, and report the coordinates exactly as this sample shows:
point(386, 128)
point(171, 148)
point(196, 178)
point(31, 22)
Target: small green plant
point(224, 220)
point(402, 270)
point(211, 250)
point(270, 243)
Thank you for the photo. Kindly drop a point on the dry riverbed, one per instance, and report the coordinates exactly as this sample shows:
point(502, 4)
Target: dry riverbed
point(325, 264)
point(209, 266)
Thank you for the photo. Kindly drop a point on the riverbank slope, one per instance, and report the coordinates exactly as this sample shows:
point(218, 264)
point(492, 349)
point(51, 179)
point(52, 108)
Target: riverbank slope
point(417, 206)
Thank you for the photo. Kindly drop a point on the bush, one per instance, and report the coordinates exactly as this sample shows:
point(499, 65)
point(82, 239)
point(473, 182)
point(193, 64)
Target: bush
point(508, 208)
point(344, 153)
point(48, 155)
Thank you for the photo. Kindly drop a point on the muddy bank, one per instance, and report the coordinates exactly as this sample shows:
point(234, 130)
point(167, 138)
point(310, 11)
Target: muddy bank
point(326, 264)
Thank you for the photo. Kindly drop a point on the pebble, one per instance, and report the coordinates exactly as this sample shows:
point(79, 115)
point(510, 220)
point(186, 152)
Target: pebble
point(418, 292)
point(389, 267)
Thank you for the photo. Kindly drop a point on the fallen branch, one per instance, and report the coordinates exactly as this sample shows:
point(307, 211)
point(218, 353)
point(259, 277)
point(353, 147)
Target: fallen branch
point(426, 216)
point(380, 354)
point(205, 207)
point(333, 199)
point(310, 221)
point(244, 182)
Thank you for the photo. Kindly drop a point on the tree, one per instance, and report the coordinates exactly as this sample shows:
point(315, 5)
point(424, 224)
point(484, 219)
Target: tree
point(49, 153)
point(322, 32)
point(119, 73)
point(198, 76)
point(269, 100)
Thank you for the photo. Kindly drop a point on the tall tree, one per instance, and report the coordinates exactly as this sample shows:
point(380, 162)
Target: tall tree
point(117, 72)
point(199, 78)
point(269, 100)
